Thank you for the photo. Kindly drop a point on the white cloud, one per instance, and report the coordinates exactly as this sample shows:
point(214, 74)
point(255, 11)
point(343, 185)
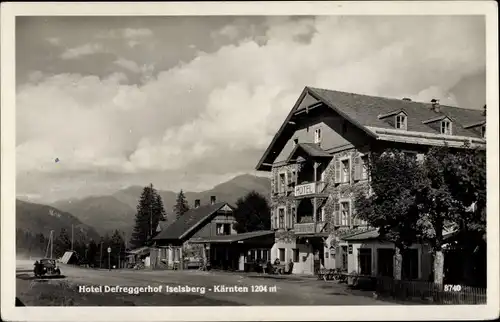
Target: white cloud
point(84, 50)
point(137, 33)
point(220, 110)
point(128, 64)
point(54, 41)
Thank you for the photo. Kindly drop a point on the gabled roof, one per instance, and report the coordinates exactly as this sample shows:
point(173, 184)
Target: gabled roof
point(475, 124)
point(312, 149)
point(363, 111)
point(435, 119)
point(233, 238)
point(189, 221)
point(393, 113)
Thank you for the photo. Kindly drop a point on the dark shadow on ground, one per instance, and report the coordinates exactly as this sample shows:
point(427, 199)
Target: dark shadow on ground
point(29, 277)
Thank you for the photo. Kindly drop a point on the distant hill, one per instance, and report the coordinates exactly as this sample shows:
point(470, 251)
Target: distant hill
point(38, 218)
point(117, 211)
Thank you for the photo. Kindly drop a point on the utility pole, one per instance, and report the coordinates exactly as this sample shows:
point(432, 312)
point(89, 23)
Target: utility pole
point(151, 199)
point(119, 253)
point(109, 260)
point(71, 237)
point(100, 257)
point(51, 243)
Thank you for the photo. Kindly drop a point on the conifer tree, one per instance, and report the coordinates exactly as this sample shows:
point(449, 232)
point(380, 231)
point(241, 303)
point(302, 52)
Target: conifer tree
point(149, 211)
point(181, 205)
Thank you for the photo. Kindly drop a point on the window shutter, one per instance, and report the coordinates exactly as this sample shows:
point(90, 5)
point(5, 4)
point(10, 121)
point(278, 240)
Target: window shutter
point(350, 214)
point(288, 216)
point(272, 219)
point(336, 214)
point(276, 217)
point(337, 171)
point(349, 170)
point(289, 177)
point(357, 168)
point(276, 182)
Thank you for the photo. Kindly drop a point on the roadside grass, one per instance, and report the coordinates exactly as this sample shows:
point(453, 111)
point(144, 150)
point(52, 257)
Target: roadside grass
point(62, 293)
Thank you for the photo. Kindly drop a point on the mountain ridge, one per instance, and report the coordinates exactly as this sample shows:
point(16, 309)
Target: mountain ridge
point(38, 218)
point(117, 210)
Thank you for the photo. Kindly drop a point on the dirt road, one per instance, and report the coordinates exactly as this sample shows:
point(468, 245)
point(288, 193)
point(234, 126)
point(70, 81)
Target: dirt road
point(250, 289)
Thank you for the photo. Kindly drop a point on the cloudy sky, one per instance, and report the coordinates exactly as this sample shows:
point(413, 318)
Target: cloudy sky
point(189, 102)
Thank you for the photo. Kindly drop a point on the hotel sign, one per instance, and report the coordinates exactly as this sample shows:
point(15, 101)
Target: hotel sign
point(305, 189)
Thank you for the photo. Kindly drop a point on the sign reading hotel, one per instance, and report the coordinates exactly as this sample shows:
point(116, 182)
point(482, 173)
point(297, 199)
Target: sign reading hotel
point(305, 189)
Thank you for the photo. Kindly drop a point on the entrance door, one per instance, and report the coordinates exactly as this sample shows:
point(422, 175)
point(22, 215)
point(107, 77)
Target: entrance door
point(385, 262)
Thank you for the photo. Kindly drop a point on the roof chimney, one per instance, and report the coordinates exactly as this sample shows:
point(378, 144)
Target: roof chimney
point(435, 105)
point(212, 200)
point(406, 99)
point(484, 110)
point(197, 203)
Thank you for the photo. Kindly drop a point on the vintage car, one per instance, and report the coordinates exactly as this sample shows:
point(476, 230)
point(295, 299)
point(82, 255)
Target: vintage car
point(46, 266)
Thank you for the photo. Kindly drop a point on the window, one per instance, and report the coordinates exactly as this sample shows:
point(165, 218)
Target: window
point(365, 261)
point(282, 182)
point(344, 213)
point(385, 262)
point(364, 167)
point(294, 176)
point(446, 127)
point(281, 222)
point(293, 216)
point(223, 229)
point(346, 171)
point(317, 136)
point(282, 255)
point(410, 264)
point(483, 131)
point(401, 122)
point(344, 258)
point(295, 253)
point(326, 255)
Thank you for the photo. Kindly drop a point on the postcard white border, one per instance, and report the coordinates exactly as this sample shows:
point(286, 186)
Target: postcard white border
point(287, 313)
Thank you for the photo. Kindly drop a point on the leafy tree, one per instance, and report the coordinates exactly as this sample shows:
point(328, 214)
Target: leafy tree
point(252, 213)
point(181, 205)
point(117, 244)
point(391, 207)
point(91, 250)
point(149, 211)
point(453, 191)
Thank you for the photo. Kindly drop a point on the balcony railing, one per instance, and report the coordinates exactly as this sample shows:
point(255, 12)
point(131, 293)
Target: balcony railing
point(308, 189)
point(308, 228)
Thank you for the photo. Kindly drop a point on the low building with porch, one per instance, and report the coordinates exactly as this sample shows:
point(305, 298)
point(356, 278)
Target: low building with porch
point(172, 247)
point(250, 251)
point(318, 161)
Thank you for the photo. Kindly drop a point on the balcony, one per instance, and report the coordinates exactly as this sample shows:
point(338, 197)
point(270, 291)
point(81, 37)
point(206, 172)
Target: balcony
point(312, 189)
point(308, 228)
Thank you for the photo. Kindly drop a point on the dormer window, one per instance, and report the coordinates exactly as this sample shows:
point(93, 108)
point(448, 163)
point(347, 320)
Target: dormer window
point(401, 121)
point(317, 136)
point(446, 127)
